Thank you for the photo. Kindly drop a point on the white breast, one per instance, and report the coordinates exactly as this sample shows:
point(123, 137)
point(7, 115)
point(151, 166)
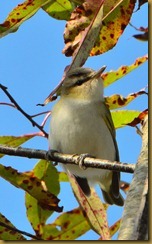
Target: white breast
point(78, 128)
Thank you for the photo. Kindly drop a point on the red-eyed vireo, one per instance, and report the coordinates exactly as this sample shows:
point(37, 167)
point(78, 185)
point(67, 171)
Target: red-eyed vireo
point(81, 123)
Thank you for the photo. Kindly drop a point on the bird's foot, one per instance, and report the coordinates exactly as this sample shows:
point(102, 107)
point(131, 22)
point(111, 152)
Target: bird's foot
point(50, 154)
point(81, 158)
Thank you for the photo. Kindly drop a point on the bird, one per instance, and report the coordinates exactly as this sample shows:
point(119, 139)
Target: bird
point(81, 123)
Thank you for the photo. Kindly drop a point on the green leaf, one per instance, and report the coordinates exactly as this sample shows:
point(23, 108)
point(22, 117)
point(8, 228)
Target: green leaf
point(37, 216)
point(68, 226)
point(7, 234)
point(14, 141)
point(112, 76)
point(122, 117)
point(60, 9)
point(63, 177)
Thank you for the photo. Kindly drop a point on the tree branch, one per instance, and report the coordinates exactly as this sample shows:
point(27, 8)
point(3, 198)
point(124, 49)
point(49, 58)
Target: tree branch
point(22, 111)
point(19, 231)
point(134, 225)
point(67, 158)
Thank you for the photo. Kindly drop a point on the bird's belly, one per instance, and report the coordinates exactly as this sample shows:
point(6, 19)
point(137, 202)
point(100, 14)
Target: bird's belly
point(73, 134)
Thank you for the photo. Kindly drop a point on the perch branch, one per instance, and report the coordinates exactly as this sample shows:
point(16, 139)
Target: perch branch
point(66, 158)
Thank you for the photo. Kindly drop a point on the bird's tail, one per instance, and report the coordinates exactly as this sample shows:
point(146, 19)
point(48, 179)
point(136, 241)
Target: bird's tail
point(110, 198)
point(113, 195)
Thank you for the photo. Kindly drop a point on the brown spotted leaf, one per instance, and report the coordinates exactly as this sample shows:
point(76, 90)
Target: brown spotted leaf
point(31, 184)
point(14, 141)
point(37, 216)
point(113, 229)
point(19, 14)
point(112, 76)
point(68, 226)
point(80, 19)
point(116, 17)
point(139, 119)
point(93, 208)
point(114, 24)
point(9, 234)
point(117, 101)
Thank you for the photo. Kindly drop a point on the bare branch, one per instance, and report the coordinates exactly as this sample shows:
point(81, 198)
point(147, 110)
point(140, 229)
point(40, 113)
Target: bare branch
point(22, 111)
point(67, 158)
point(7, 104)
point(134, 225)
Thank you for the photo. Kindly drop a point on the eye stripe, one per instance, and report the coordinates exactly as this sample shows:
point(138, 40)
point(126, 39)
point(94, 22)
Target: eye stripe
point(81, 81)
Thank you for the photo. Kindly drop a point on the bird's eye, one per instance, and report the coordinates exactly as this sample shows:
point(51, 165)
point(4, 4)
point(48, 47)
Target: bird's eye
point(79, 82)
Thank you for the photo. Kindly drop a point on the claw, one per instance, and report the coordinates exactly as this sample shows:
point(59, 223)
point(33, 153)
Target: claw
point(50, 154)
point(81, 158)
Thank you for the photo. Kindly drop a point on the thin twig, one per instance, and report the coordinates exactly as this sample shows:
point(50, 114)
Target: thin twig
point(67, 158)
point(35, 115)
point(8, 104)
point(21, 110)
point(45, 118)
point(19, 231)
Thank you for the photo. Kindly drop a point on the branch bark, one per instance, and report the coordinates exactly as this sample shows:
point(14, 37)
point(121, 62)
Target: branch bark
point(134, 225)
point(67, 158)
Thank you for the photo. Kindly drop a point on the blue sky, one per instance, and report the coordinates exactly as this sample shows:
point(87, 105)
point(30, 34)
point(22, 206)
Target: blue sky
point(31, 65)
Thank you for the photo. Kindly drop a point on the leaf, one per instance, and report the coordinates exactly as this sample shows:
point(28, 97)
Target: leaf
point(60, 9)
point(93, 208)
point(63, 177)
point(115, 227)
point(142, 37)
point(121, 118)
point(114, 24)
point(112, 76)
point(118, 101)
point(124, 186)
point(31, 184)
point(117, 15)
point(139, 118)
point(8, 234)
point(14, 141)
point(68, 226)
point(89, 35)
point(19, 14)
point(37, 216)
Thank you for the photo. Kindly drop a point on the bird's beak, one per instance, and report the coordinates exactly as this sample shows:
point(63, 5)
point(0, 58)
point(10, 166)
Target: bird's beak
point(99, 72)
